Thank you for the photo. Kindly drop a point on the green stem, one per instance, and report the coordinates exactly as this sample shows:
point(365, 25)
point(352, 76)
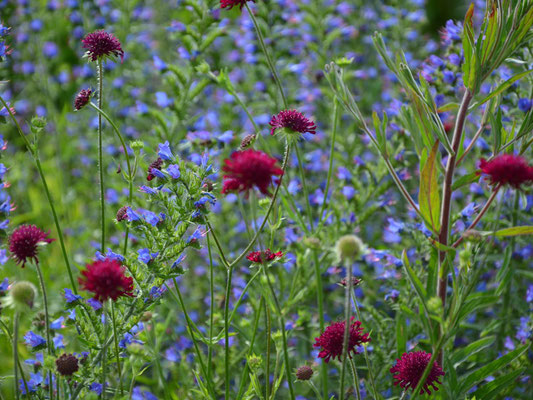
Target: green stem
point(128, 163)
point(320, 299)
point(283, 332)
point(35, 156)
point(104, 352)
point(211, 307)
point(367, 359)
point(347, 314)
point(267, 56)
point(117, 350)
point(314, 389)
point(16, 354)
point(226, 332)
point(47, 326)
point(304, 185)
point(355, 379)
point(100, 153)
point(268, 334)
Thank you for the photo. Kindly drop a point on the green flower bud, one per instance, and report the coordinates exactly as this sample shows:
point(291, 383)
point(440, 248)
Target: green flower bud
point(349, 246)
point(254, 362)
point(23, 294)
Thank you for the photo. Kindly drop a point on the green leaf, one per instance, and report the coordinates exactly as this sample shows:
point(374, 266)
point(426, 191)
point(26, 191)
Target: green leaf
point(489, 390)
point(480, 374)
point(462, 354)
point(504, 86)
point(474, 302)
point(428, 195)
point(465, 180)
point(514, 231)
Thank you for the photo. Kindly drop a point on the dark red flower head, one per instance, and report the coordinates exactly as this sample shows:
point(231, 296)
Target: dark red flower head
point(331, 340)
point(507, 169)
point(100, 44)
point(249, 168)
point(410, 368)
point(24, 242)
point(259, 257)
point(67, 364)
point(157, 165)
point(122, 213)
point(232, 3)
point(293, 120)
point(82, 99)
point(106, 280)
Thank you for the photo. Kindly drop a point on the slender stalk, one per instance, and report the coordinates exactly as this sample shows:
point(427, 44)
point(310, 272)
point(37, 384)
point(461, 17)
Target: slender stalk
point(117, 350)
point(217, 243)
point(104, 352)
point(283, 333)
point(268, 333)
point(226, 332)
point(347, 315)
point(304, 185)
point(314, 389)
point(35, 156)
point(365, 351)
point(211, 307)
point(447, 195)
point(267, 56)
point(331, 152)
point(320, 301)
point(100, 153)
point(128, 163)
point(15, 353)
point(47, 326)
point(480, 215)
point(356, 379)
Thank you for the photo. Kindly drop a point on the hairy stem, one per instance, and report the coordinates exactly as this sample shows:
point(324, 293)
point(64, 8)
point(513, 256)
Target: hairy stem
point(347, 315)
point(117, 349)
point(100, 154)
point(320, 301)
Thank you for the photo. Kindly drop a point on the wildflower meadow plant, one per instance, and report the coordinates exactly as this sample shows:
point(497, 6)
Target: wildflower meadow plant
point(274, 199)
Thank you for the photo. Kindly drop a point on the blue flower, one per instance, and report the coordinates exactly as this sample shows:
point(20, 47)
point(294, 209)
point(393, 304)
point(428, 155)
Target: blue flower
point(164, 151)
point(145, 255)
point(58, 323)
point(95, 304)
point(178, 261)
point(58, 342)
point(148, 189)
point(96, 387)
point(174, 171)
point(35, 380)
point(33, 340)
point(4, 285)
point(524, 104)
point(149, 217)
point(71, 297)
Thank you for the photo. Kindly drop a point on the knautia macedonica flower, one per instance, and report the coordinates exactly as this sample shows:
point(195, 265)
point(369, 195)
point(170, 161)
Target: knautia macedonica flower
point(507, 169)
point(101, 44)
point(410, 368)
point(249, 168)
point(24, 243)
point(67, 364)
point(232, 3)
point(332, 339)
point(82, 99)
point(293, 121)
point(304, 373)
point(106, 280)
point(259, 257)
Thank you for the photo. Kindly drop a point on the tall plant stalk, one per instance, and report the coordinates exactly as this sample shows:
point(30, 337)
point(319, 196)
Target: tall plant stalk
point(347, 316)
point(100, 153)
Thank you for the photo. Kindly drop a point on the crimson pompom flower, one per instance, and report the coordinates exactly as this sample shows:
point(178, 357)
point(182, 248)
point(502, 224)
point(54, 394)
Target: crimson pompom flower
point(507, 169)
point(82, 99)
point(106, 280)
point(410, 368)
point(292, 120)
point(24, 243)
point(332, 339)
point(100, 44)
point(232, 3)
point(259, 257)
point(249, 168)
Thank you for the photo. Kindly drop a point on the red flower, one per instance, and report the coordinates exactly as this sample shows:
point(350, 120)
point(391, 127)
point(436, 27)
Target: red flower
point(249, 168)
point(101, 44)
point(332, 340)
point(157, 165)
point(507, 169)
point(82, 99)
point(410, 368)
point(293, 120)
point(24, 242)
point(106, 280)
point(257, 256)
point(231, 3)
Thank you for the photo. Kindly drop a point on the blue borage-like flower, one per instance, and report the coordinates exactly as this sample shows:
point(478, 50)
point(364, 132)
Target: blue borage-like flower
point(70, 297)
point(146, 256)
point(95, 304)
point(109, 255)
point(129, 337)
point(174, 171)
point(178, 261)
point(58, 323)
point(36, 379)
point(164, 151)
point(4, 285)
point(34, 341)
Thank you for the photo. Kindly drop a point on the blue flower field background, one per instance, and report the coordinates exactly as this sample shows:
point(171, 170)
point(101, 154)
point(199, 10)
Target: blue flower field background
point(270, 199)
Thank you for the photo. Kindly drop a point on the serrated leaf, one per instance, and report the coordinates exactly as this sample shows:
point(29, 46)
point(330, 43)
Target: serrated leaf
point(480, 374)
point(428, 195)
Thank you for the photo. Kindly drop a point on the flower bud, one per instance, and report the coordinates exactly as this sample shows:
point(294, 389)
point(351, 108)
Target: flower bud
point(67, 364)
point(23, 294)
point(349, 246)
point(304, 373)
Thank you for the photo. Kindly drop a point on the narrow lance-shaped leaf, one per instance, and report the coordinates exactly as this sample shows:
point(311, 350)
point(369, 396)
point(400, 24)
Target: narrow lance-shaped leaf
point(429, 196)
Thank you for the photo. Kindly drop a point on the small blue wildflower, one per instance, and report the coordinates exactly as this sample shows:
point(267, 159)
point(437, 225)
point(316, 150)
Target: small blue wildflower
point(96, 388)
point(4, 285)
point(33, 383)
point(178, 261)
point(70, 297)
point(34, 341)
point(58, 342)
point(145, 255)
point(174, 171)
point(524, 104)
point(58, 323)
point(95, 304)
point(148, 189)
point(164, 151)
